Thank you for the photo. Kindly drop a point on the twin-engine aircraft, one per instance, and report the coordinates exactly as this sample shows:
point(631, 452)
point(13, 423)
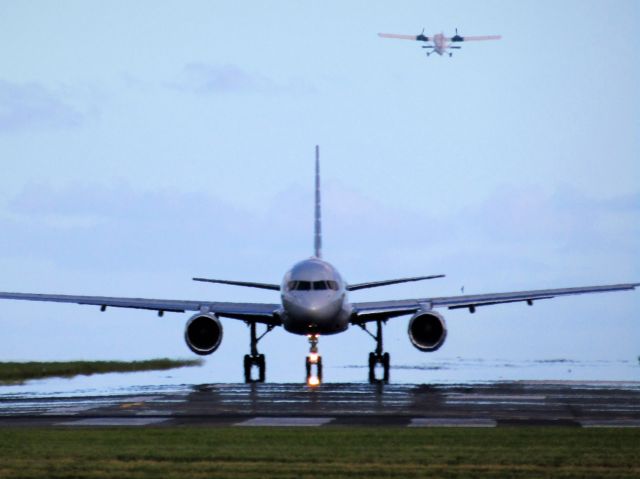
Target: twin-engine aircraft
point(314, 301)
point(441, 44)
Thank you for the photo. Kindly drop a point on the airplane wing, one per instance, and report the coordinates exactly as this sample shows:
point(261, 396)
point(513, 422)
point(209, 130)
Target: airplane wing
point(248, 284)
point(383, 310)
point(420, 38)
point(473, 38)
point(376, 284)
point(252, 312)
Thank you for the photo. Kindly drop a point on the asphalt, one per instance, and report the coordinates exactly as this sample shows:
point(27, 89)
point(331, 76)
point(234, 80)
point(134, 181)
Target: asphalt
point(501, 404)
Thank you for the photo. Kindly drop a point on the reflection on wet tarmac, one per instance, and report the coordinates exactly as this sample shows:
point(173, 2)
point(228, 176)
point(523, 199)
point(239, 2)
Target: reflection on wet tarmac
point(416, 405)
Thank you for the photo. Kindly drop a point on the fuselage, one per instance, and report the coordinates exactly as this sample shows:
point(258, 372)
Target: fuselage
point(314, 299)
point(440, 43)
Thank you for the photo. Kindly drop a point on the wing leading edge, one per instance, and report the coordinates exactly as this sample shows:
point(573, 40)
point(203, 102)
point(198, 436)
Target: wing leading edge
point(253, 312)
point(377, 310)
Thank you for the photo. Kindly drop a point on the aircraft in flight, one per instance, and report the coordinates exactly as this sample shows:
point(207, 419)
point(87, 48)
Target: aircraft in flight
point(313, 302)
point(441, 44)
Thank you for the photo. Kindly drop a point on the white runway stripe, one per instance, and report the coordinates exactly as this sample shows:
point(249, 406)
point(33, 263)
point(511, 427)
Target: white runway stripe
point(286, 421)
point(451, 422)
point(114, 421)
point(610, 423)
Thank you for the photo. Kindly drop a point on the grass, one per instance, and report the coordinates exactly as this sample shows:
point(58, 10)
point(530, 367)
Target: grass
point(198, 452)
point(14, 372)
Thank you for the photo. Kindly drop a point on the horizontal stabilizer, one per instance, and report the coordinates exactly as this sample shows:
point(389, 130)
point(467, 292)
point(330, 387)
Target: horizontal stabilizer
point(375, 284)
point(273, 287)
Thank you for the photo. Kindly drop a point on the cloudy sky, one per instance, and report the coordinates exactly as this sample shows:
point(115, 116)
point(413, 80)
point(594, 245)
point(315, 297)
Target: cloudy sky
point(143, 144)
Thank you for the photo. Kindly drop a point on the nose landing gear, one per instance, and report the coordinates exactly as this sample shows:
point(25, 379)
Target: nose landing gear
point(313, 362)
point(378, 359)
point(255, 360)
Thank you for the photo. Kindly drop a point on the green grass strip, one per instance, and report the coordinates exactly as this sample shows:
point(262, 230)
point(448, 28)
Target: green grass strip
point(192, 452)
point(17, 372)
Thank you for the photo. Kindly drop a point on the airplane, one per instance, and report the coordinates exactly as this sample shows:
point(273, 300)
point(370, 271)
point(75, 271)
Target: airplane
point(313, 302)
point(441, 43)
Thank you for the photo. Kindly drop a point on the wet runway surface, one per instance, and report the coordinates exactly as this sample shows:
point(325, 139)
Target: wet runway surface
point(499, 404)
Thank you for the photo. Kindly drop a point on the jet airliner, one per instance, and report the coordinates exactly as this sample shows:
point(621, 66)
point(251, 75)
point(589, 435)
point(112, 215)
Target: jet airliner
point(313, 302)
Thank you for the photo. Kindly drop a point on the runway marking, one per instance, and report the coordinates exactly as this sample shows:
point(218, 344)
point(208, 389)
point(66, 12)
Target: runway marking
point(497, 403)
point(610, 423)
point(451, 422)
point(286, 421)
point(139, 399)
point(69, 410)
point(496, 397)
point(115, 421)
point(155, 412)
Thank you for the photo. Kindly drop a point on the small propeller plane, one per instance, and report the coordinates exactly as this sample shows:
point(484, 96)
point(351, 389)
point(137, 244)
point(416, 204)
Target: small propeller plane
point(441, 43)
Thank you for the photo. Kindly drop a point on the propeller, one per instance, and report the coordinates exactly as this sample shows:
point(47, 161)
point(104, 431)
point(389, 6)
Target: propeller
point(457, 37)
point(422, 37)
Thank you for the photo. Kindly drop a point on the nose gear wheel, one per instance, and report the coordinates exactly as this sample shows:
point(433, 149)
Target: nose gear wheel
point(313, 363)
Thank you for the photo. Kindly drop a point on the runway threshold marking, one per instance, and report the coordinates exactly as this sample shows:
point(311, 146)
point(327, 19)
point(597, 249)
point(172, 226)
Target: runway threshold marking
point(451, 422)
point(114, 421)
point(286, 421)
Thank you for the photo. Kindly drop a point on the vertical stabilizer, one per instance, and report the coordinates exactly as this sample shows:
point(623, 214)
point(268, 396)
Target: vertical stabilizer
point(318, 217)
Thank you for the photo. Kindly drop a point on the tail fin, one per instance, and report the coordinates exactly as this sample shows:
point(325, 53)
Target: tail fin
point(318, 217)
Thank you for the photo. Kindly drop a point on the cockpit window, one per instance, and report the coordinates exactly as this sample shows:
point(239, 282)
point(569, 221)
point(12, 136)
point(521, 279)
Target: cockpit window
point(315, 285)
point(299, 286)
point(318, 285)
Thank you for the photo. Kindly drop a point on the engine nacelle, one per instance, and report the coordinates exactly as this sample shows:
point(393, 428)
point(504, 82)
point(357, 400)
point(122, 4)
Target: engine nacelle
point(203, 333)
point(427, 330)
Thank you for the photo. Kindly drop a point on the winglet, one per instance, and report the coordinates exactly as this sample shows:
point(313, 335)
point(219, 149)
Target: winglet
point(318, 218)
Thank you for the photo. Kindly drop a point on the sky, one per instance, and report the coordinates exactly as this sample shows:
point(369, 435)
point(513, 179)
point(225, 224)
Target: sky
point(145, 143)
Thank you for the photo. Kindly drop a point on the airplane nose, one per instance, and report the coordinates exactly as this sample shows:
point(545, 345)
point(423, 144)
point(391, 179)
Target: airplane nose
point(317, 309)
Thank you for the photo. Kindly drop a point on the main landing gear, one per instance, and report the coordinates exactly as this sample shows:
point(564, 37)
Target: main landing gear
point(255, 360)
point(313, 363)
point(378, 360)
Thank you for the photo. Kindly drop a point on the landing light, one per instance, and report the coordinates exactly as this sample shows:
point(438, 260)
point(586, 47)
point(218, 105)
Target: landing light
point(313, 358)
point(313, 381)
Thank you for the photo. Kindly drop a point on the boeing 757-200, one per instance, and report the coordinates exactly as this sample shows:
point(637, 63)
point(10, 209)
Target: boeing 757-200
point(313, 302)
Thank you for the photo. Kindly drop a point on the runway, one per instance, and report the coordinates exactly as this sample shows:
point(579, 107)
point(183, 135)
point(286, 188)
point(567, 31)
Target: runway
point(500, 404)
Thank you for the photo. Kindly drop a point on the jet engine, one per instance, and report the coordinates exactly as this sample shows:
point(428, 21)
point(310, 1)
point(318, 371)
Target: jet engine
point(427, 330)
point(203, 333)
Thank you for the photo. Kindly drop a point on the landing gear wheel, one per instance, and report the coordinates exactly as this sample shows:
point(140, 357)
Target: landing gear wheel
point(262, 367)
point(313, 363)
point(319, 369)
point(247, 368)
point(372, 368)
point(378, 358)
point(249, 363)
point(314, 378)
point(255, 359)
point(386, 361)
